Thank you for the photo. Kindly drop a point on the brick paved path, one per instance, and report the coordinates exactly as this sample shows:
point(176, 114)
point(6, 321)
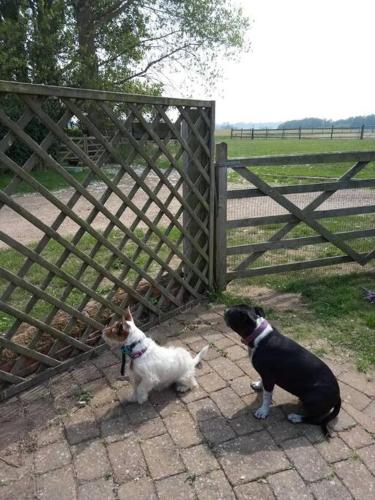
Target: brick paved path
point(204, 444)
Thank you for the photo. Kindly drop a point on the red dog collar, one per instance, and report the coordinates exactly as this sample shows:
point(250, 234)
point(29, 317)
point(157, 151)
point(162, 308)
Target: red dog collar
point(258, 330)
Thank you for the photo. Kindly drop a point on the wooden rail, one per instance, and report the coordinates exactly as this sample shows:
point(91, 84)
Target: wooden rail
point(256, 251)
point(363, 132)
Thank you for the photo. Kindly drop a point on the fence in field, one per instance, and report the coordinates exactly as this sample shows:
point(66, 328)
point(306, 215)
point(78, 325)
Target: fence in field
point(154, 252)
point(305, 133)
point(264, 228)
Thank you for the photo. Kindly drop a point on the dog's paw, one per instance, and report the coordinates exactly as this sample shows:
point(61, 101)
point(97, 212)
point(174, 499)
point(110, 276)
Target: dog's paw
point(295, 418)
point(257, 386)
point(132, 398)
point(182, 388)
point(261, 412)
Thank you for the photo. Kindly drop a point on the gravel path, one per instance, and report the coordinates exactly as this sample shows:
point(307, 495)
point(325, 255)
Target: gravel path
point(23, 231)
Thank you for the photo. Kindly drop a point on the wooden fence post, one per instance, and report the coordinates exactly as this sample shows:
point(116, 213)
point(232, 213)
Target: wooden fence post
point(231, 133)
point(192, 172)
point(332, 132)
point(299, 133)
point(362, 131)
point(252, 133)
point(220, 269)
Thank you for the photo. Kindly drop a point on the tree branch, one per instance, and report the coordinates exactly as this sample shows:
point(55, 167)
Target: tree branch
point(141, 42)
point(152, 63)
point(114, 11)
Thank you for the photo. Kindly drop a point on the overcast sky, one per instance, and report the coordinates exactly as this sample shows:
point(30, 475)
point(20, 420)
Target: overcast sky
point(308, 58)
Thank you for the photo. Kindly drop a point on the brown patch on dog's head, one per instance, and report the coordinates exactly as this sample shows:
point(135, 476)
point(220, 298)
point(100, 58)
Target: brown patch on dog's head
point(118, 332)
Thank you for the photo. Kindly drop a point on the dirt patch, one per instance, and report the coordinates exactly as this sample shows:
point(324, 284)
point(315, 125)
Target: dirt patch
point(269, 298)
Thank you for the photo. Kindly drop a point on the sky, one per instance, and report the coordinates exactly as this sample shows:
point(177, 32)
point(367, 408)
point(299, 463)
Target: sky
point(307, 58)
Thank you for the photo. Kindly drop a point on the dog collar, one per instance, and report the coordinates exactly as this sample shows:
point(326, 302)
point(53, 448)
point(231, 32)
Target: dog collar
point(127, 350)
point(258, 330)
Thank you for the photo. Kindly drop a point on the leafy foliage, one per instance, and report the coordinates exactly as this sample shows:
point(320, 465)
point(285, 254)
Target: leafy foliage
point(131, 45)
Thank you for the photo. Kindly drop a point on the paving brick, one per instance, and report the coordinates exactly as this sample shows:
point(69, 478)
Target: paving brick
point(312, 432)
point(52, 456)
point(213, 336)
point(364, 420)
point(308, 462)
point(370, 410)
point(176, 488)
point(105, 359)
point(249, 457)
point(216, 430)
point(86, 373)
point(245, 424)
point(222, 344)
point(199, 459)
point(198, 346)
point(288, 485)
point(213, 486)
point(356, 437)
point(81, 426)
point(101, 393)
point(18, 490)
point(194, 395)
point(330, 489)
point(334, 450)
point(113, 376)
point(241, 385)
point(203, 409)
point(283, 430)
point(101, 489)
point(342, 422)
point(143, 489)
point(127, 460)
point(212, 382)
point(183, 429)
point(356, 478)
point(17, 468)
point(226, 368)
point(162, 457)
point(228, 402)
point(236, 352)
point(247, 367)
point(108, 411)
point(137, 414)
point(49, 435)
point(368, 456)
point(116, 429)
point(354, 397)
point(151, 428)
point(91, 461)
point(359, 381)
point(57, 485)
point(165, 403)
point(254, 491)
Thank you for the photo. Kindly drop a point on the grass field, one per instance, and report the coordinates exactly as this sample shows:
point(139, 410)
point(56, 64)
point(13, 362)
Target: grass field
point(279, 174)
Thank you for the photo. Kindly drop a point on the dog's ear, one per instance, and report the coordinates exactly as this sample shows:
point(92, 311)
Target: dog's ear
point(259, 311)
point(127, 317)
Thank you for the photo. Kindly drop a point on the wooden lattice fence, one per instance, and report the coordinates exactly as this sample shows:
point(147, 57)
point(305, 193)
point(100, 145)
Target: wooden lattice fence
point(143, 231)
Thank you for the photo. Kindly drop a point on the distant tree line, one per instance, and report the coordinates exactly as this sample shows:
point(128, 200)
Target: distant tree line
point(353, 121)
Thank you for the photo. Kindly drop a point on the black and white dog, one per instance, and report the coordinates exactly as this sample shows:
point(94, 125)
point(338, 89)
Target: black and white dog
point(281, 361)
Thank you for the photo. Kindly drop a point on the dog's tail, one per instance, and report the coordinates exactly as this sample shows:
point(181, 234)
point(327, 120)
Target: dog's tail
point(329, 417)
point(198, 358)
point(323, 421)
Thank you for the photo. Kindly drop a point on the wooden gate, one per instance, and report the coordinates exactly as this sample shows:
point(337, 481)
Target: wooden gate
point(133, 226)
point(278, 219)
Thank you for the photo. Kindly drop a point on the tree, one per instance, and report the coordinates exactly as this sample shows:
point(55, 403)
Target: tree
point(117, 44)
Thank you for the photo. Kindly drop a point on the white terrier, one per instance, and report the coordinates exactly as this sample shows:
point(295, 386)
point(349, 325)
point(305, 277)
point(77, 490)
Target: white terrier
point(151, 366)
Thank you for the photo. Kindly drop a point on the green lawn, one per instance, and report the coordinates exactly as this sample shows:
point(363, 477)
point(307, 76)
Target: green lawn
point(49, 178)
point(285, 174)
